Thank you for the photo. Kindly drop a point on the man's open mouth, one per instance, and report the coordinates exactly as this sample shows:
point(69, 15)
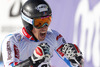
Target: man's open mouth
point(43, 34)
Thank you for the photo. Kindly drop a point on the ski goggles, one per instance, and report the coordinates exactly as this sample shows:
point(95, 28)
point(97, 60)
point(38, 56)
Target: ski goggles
point(37, 22)
point(41, 22)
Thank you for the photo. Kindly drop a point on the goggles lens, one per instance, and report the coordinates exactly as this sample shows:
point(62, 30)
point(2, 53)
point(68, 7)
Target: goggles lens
point(40, 22)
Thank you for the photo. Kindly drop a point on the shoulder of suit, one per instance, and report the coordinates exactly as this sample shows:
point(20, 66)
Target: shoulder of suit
point(15, 36)
point(52, 32)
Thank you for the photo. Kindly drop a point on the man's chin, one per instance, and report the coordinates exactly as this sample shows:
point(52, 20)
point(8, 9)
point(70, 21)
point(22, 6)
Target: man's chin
point(41, 39)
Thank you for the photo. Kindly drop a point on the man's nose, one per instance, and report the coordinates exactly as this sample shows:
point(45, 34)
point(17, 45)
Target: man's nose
point(45, 26)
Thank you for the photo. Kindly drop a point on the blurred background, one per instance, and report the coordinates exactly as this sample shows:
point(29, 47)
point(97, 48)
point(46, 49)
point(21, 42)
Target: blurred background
point(77, 20)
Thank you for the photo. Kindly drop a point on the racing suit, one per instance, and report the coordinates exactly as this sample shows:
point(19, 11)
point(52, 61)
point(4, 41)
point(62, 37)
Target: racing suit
point(19, 46)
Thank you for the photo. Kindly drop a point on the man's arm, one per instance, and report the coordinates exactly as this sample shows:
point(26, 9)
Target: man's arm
point(10, 58)
point(40, 54)
point(71, 54)
point(67, 51)
point(8, 53)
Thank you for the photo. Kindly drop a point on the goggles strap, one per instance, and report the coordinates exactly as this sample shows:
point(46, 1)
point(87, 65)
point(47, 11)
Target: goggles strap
point(29, 20)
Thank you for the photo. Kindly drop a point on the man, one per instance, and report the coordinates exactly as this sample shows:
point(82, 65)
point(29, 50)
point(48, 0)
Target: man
point(33, 46)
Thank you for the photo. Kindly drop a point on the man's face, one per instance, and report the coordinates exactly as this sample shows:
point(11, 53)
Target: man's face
point(40, 27)
point(40, 34)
